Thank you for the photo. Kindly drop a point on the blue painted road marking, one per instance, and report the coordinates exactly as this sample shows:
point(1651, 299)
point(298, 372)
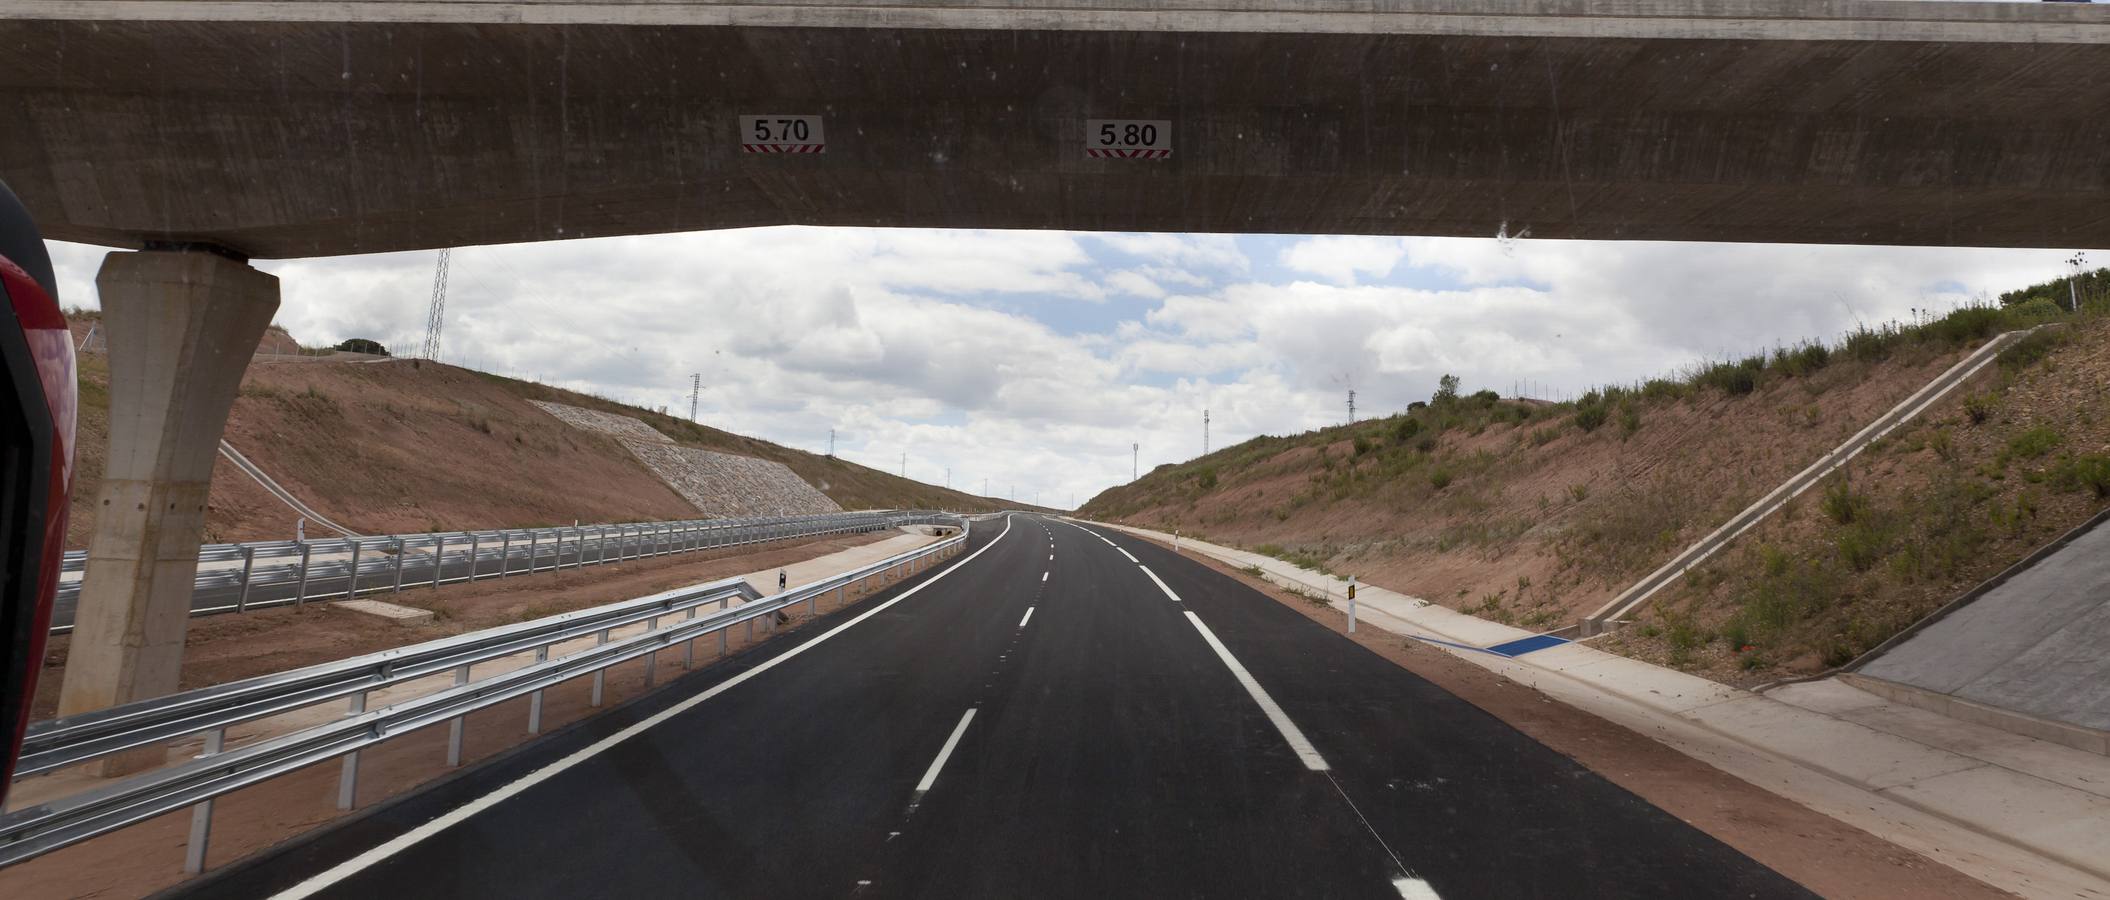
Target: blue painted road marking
point(1521, 646)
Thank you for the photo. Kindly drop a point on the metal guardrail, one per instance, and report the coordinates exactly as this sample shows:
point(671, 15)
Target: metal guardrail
point(35, 830)
point(241, 577)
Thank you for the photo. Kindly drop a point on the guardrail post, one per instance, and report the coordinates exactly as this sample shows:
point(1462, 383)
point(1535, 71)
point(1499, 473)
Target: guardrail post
point(454, 728)
point(348, 776)
point(600, 676)
point(505, 552)
point(351, 579)
point(688, 647)
point(652, 658)
point(400, 549)
point(439, 560)
point(842, 595)
point(300, 591)
point(534, 544)
point(241, 603)
point(535, 699)
point(201, 813)
point(475, 544)
point(600, 547)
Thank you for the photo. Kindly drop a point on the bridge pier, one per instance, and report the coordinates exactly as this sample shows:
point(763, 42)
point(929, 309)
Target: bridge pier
point(182, 325)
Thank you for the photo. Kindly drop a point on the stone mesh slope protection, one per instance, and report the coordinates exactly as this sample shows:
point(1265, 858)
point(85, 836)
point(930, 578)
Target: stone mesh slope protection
point(622, 428)
point(729, 485)
point(719, 484)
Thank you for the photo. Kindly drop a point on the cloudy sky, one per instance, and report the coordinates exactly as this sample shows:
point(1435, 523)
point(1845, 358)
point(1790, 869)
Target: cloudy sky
point(1034, 359)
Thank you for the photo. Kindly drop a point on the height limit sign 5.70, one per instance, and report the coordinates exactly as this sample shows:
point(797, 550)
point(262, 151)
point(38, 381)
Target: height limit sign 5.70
point(1128, 138)
point(782, 134)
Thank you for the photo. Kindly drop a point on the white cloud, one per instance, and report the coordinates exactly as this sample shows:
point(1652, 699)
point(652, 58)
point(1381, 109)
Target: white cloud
point(1134, 284)
point(1339, 258)
point(1190, 251)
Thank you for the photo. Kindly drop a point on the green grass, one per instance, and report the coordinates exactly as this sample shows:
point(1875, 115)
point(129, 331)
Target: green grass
point(2033, 443)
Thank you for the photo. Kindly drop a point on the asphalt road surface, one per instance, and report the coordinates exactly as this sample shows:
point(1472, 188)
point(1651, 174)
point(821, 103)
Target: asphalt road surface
point(1060, 713)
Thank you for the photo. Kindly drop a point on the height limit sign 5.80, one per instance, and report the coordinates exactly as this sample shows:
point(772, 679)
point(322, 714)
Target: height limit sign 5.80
point(1128, 138)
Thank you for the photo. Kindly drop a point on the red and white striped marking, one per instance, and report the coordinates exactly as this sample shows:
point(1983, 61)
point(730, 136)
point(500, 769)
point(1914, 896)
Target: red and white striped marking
point(1118, 153)
point(784, 148)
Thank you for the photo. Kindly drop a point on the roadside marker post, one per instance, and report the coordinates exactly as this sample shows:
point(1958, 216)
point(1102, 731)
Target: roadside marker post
point(1351, 604)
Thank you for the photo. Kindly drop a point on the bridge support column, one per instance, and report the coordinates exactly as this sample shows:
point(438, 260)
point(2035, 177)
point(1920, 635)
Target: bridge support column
point(182, 326)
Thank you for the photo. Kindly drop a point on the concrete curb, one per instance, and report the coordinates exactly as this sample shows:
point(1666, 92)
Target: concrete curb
point(1950, 807)
point(1966, 710)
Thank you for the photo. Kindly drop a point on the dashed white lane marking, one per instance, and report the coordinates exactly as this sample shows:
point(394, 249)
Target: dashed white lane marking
point(1043, 577)
point(930, 775)
point(1028, 618)
point(323, 880)
point(1125, 553)
point(1162, 586)
point(1290, 732)
point(1051, 557)
point(1414, 889)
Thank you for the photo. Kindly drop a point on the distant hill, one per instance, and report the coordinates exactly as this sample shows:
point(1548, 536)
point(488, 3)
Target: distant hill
point(390, 446)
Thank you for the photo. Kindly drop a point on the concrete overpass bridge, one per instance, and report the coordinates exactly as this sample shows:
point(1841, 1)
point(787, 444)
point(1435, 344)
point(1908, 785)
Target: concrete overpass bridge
point(208, 132)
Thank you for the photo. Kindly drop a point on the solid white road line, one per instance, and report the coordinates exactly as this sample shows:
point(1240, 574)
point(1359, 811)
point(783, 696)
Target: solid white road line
point(1290, 733)
point(456, 816)
point(1125, 553)
point(930, 775)
point(1028, 618)
point(1414, 889)
point(1163, 587)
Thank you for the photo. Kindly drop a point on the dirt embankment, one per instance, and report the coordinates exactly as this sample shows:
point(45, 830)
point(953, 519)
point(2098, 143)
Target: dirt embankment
point(393, 446)
point(1971, 487)
point(1513, 511)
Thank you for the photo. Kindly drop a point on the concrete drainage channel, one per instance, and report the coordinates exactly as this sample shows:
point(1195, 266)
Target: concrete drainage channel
point(579, 645)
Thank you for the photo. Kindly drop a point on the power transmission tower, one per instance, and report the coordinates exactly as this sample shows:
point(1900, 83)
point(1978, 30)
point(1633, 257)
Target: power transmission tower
point(1205, 432)
point(1351, 407)
point(1135, 460)
point(695, 389)
point(2079, 262)
point(437, 313)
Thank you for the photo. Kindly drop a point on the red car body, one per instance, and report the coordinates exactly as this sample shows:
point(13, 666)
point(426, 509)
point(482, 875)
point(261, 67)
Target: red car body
point(37, 413)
